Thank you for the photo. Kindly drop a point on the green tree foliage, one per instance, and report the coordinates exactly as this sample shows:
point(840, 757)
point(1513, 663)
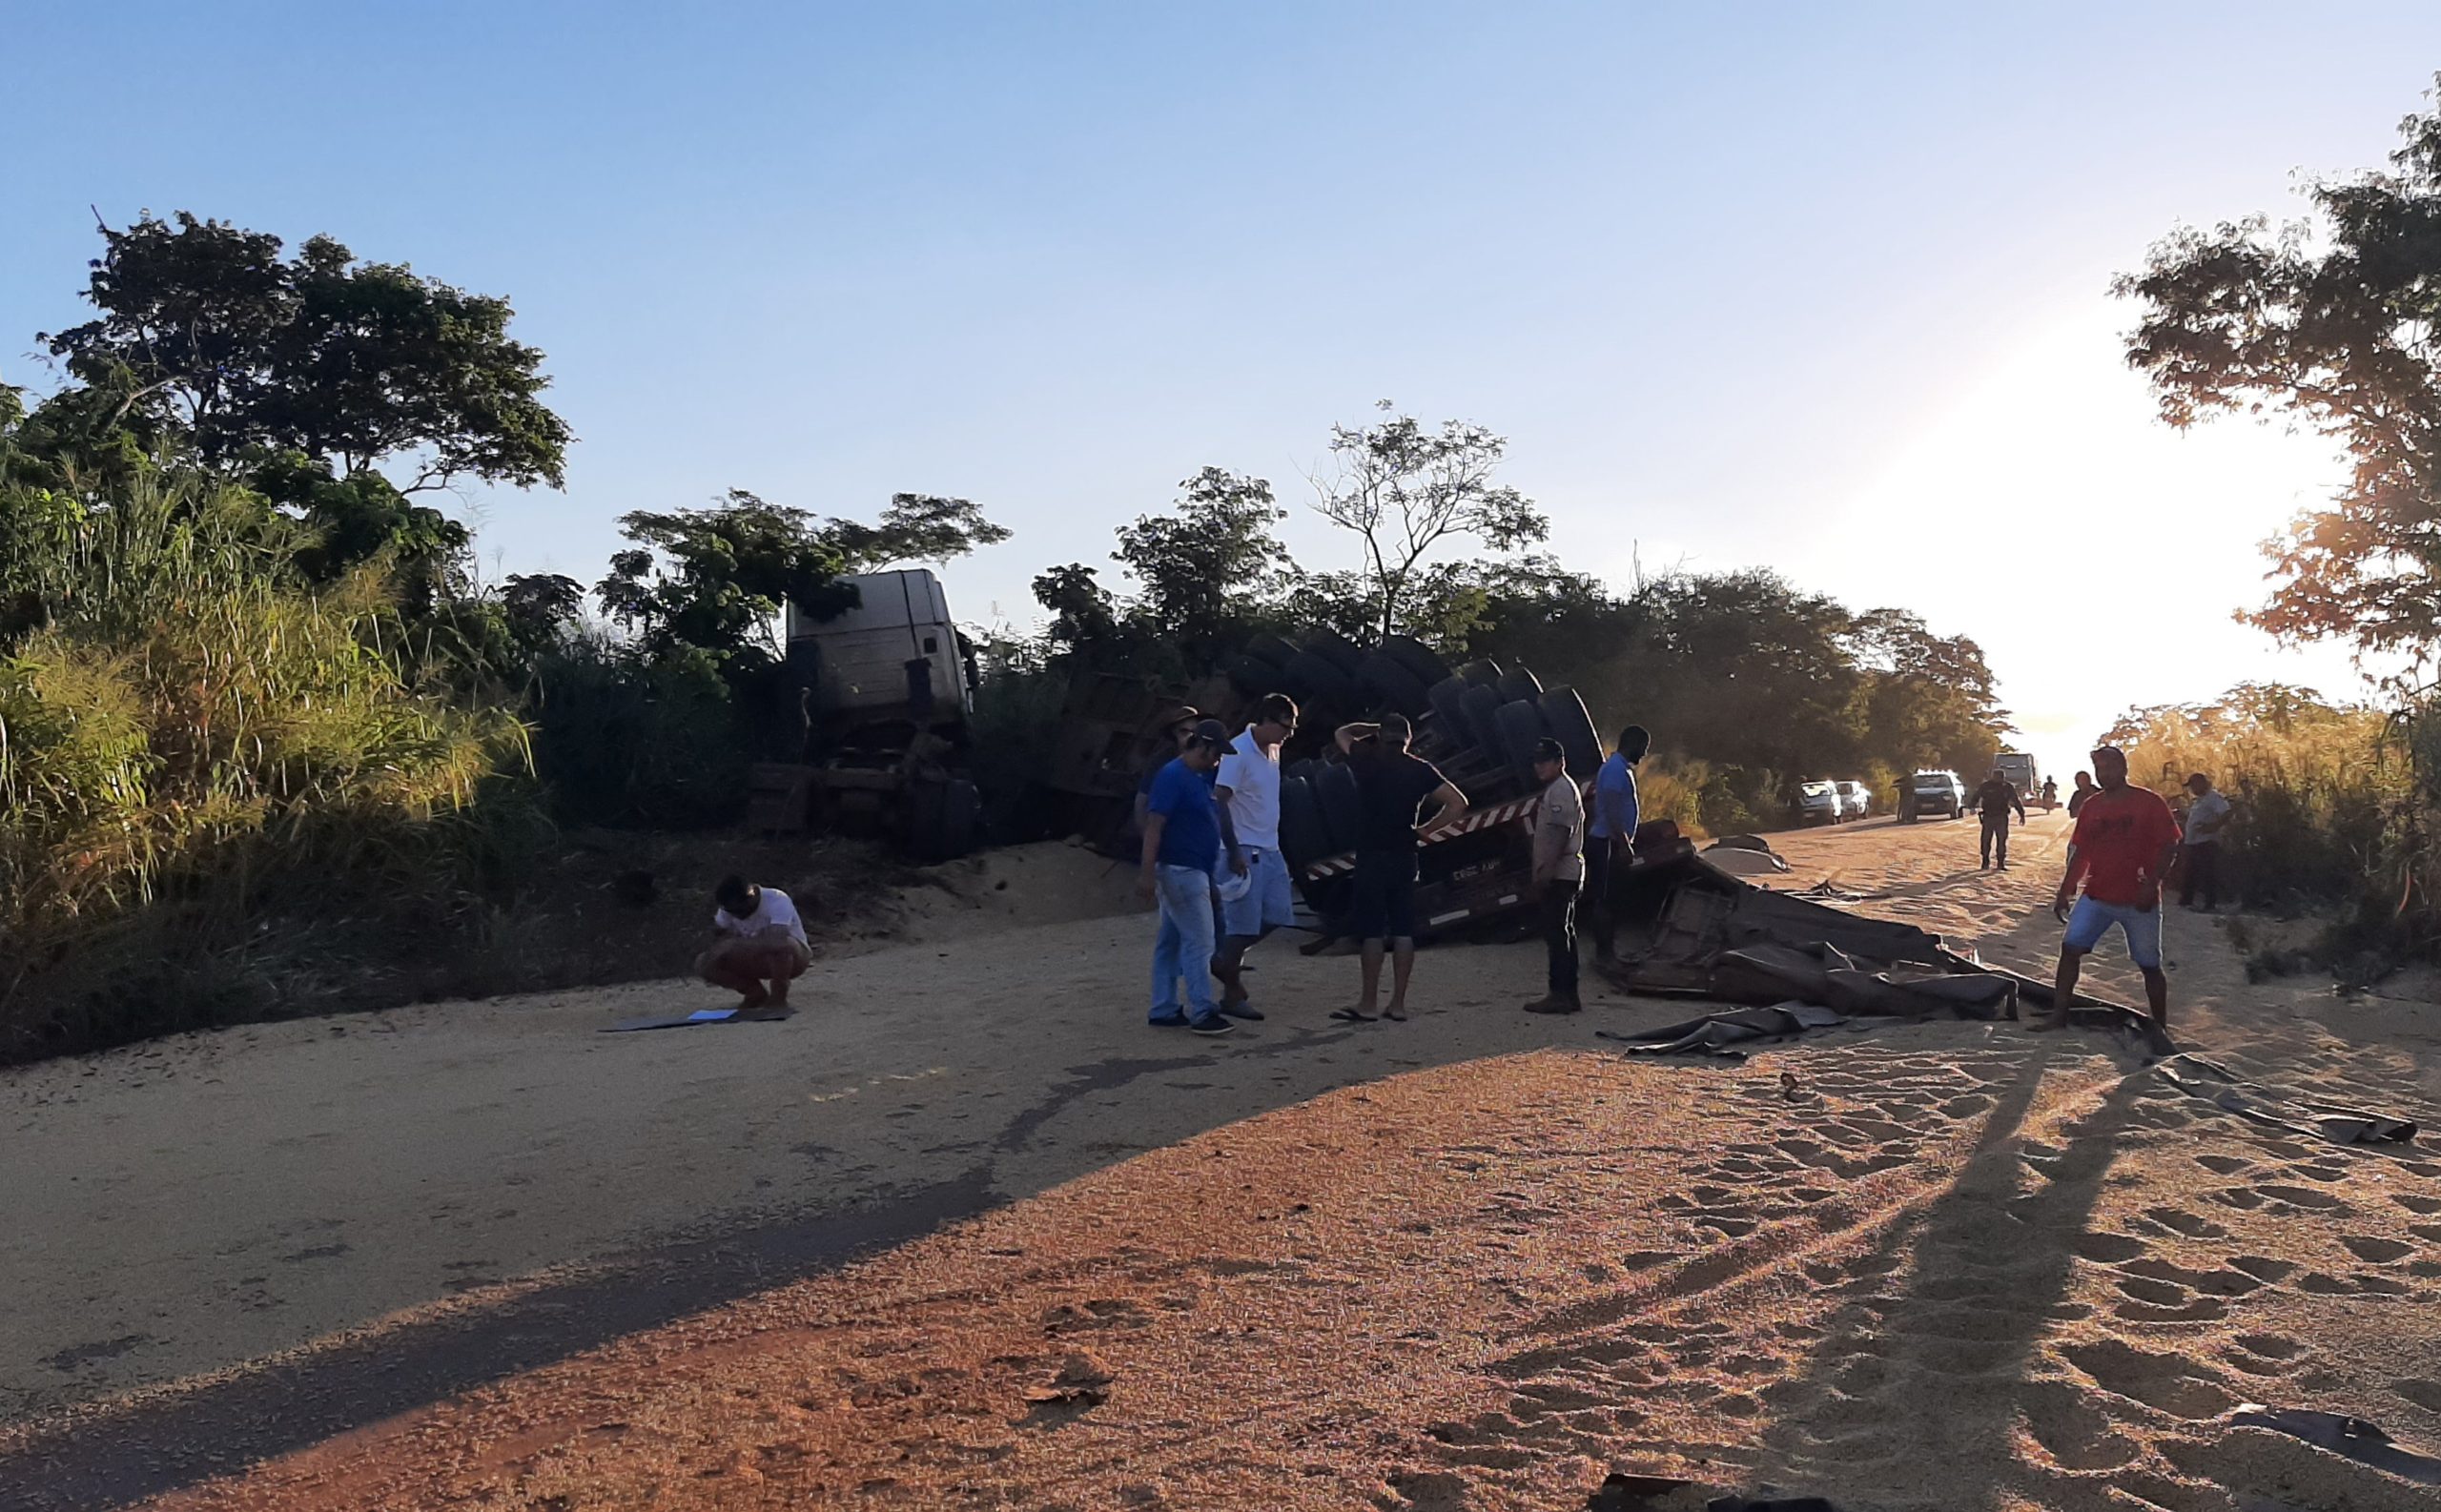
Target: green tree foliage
point(715, 580)
point(916, 527)
point(1406, 490)
point(1084, 617)
point(209, 330)
point(2330, 322)
point(1207, 570)
point(541, 610)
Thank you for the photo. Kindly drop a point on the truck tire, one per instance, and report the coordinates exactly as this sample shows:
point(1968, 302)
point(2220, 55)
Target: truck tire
point(1337, 649)
point(940, 818)
point(1342, 812)
point(1482, 672)
point(1521, 725)
point(1315, 681)
point(1389, 685)
point(961, 808)
point(1449, 700)
point(1420, 660)
point(1565, 713)
point(1252, 677)
point(1481, 704)
point(1271, 650)
point(1304, 837)
point(1519, 685)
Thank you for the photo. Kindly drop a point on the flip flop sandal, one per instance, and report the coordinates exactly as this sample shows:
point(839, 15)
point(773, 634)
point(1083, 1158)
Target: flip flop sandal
point(1395, 1017)
point(1353, 1015)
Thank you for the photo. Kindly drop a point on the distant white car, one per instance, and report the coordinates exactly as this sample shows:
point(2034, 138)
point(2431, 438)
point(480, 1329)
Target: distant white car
point(1856, 799)
point(1818, 804)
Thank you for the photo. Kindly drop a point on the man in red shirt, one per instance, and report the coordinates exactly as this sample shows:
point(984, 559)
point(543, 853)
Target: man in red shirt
point(2122, 848)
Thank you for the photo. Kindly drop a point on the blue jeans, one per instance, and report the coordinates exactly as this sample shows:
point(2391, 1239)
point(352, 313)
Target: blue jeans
point(1183, 949)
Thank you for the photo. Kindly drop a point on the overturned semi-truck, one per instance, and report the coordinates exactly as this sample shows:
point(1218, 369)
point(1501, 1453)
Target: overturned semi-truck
point(1479, 722)
point(885, 691)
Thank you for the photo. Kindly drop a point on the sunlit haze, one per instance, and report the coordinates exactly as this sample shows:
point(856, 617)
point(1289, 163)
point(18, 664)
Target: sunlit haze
point(1820, 289)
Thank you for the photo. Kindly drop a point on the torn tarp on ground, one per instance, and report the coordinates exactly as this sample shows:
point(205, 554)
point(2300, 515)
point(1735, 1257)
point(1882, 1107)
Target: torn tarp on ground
point(1710, 934)
point(1726, 1034)
point(2223, 1089)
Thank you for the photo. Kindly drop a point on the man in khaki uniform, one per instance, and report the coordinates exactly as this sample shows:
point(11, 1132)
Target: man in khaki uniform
point(1559, 872)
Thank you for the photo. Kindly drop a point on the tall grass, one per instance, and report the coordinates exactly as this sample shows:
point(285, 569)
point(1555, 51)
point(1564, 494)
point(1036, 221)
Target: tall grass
point(2335, 807)
point(188, 734)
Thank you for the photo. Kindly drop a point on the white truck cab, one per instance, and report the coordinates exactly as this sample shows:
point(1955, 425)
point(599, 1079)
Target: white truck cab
point(863, 660)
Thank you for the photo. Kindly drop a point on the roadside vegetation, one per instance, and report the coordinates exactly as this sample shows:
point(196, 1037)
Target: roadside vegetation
point(271, 743)
point(2327, 323)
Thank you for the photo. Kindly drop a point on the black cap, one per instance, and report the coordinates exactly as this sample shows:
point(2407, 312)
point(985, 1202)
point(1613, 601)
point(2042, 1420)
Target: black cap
point(1548, 750)
point(1212, 732)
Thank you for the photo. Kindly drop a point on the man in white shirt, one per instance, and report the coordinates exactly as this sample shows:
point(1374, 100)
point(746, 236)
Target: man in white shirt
point(758, 938)
point(2208, 815)
point(1249, 793)
point(1559, 872)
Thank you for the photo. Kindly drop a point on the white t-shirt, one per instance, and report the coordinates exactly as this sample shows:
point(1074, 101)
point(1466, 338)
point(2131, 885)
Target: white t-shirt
point(2204, 811)
point(776, 909)
point(1251, 774)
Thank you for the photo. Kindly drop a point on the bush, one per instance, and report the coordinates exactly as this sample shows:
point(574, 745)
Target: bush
point(1016, 736)
point(1674, 791)
point(189, 735)
point(625, 737)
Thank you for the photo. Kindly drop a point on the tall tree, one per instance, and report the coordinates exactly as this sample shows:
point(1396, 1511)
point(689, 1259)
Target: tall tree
point(2335, 322)
point(1405, 491)
point(1209, 569)
point(1082, 612)
point(715, 580)
point(209, 329)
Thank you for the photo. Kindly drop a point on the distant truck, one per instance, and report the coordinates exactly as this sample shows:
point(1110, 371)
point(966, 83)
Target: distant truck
point(885, 690)
point(2021, 770)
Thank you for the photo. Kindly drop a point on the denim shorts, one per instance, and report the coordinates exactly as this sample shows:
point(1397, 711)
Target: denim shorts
point(1268, 903)
point(2092, 919)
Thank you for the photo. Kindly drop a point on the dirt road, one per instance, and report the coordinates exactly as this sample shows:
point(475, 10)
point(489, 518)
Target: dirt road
point(236, 1245)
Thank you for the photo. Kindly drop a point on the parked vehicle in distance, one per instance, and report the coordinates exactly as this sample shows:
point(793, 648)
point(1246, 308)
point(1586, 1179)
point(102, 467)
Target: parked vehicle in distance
point(1818, 804)
point(1935, 794)
point(1856, 799)
point(2022, 772)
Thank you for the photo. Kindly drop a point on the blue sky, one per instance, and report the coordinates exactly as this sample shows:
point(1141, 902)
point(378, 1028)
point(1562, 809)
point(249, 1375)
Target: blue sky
point(1744, 285)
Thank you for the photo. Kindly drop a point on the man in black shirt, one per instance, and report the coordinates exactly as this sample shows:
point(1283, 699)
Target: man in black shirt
point(1993, 801)
point(1392, 787)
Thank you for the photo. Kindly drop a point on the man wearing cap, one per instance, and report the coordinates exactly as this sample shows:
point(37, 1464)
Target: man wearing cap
point(1559, 872)
point(1176, 725)
point(1249, 797)
point(2121, 850)
point(1181, 848)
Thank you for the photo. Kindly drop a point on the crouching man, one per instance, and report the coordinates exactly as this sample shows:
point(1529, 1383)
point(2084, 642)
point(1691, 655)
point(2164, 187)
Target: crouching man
point(759, 944)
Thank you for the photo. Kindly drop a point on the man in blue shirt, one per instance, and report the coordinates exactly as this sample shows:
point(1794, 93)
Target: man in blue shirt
point(1181, 850)
point(1610, 839)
